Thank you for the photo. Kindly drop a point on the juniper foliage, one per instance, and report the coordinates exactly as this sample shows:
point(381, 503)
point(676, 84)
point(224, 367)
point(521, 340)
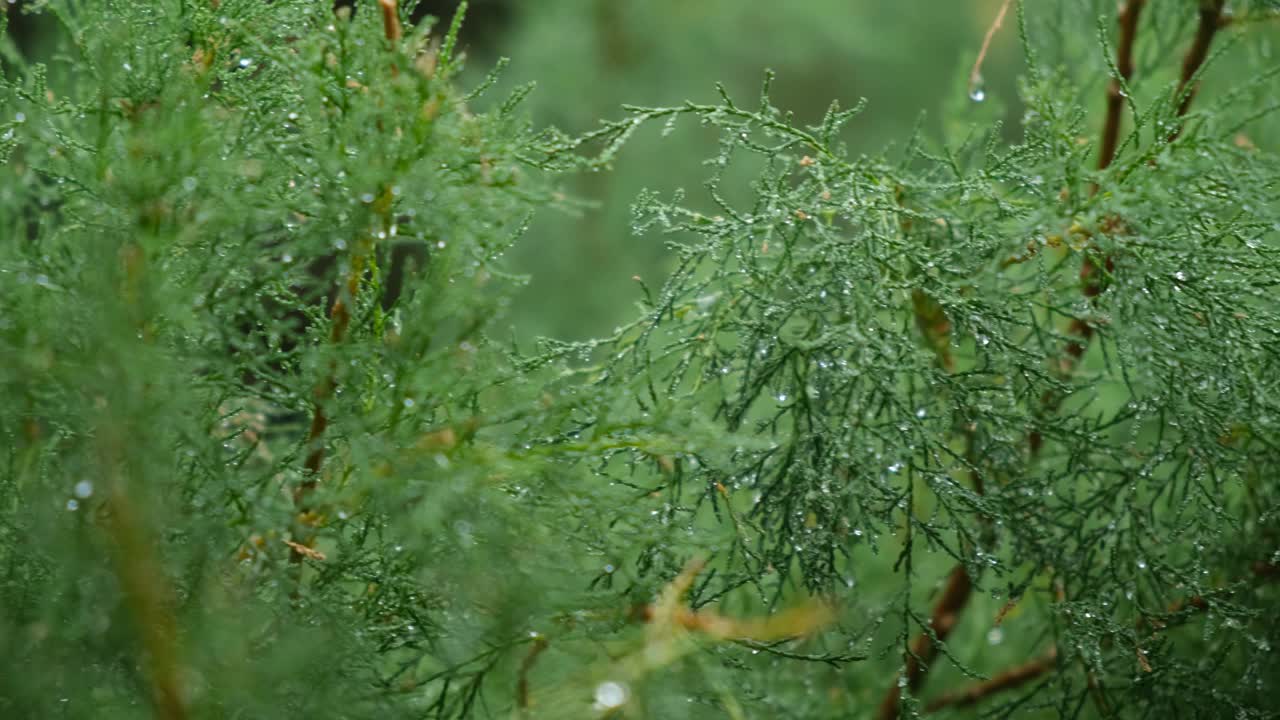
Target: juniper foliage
point(984, 422)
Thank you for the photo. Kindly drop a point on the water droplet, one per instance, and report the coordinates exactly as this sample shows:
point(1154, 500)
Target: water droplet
point(1142, 564)
point(20, 117)
point(408, 402)
point(920, 413)
point(83, 489)
point(245, 62)
point(127, 67)
point(609, 568)
point(611, 694)
point(286, 258)
point(995, 636)
point(782, 397)
point(366, 198)
point(977, 94)
point(73, 505)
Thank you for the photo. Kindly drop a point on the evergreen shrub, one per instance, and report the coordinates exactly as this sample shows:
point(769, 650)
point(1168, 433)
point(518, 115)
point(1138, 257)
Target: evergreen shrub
point(983, 427)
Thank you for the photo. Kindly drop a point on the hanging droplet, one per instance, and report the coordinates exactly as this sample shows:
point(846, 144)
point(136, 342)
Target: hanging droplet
point(977, 88)
point(610, 695)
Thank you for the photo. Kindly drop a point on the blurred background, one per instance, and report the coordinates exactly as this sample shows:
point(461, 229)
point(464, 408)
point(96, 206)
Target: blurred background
point(910, 59)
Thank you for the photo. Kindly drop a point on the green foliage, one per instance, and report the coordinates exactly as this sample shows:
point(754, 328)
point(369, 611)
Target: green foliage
point(955, 412)
point(624, 52)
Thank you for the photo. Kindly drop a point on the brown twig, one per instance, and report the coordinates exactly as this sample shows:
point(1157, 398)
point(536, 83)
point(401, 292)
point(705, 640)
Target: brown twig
point(935, 327)
point(975, 75)
point(143, 581)
point(946, 614)
point(793, 622)
point(340, 318)
point(1210, 23)
point(1008, 680)
point(1022, 674)
point(390, 20)
point(1128, 19)
point(522, 683)
point(1090, 273)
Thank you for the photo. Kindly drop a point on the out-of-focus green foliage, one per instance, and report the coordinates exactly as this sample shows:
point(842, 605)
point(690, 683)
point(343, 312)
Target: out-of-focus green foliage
point(604, 53)
point(899, 427)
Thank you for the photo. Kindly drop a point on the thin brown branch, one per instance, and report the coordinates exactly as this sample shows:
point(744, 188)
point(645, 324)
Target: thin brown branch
point(1091, 275)
point(936, 328)
point(794, 622)
point(340, 319)
point(1097, 692)
point(946, 615)
point(390, 20)
point(1210, 24)
point(522, 683)
point(143, 581)
point(1008, 680)
point(1128, 19)
point(975, 75)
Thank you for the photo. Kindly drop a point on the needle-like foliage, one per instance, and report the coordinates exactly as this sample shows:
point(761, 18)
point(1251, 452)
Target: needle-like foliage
point(992, 422)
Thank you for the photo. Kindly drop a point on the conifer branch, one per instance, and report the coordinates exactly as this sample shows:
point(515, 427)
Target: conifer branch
point(935, 328)
point(1091, 274)
point(1128, 18)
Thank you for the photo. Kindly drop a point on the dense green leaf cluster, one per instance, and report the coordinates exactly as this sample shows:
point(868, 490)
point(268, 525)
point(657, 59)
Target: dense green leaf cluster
point(1002, 416)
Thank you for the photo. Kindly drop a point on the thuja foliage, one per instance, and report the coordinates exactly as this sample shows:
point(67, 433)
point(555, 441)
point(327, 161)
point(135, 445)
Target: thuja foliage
point(988, 423)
